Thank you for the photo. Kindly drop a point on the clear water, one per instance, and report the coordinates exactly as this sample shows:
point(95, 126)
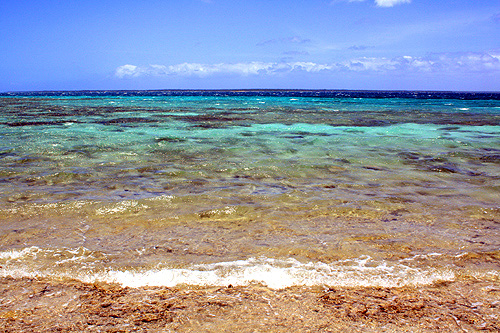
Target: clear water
point(283, 188)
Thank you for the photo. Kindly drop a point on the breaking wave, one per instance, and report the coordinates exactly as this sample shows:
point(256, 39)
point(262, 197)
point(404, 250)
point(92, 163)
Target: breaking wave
point(88, 266)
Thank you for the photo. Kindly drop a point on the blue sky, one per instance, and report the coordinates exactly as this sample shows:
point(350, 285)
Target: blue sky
point(222, 44)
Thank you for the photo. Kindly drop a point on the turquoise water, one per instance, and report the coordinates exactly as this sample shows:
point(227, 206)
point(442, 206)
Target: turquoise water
point(324, 187)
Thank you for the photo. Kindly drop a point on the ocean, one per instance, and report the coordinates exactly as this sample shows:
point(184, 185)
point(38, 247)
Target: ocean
point(279, 188)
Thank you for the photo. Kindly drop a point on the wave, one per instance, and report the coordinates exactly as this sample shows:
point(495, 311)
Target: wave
point(279, 274)
point(89, 266)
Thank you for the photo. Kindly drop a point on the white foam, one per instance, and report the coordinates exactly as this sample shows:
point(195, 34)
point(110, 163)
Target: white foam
point(163, 197)
point(274, 273)
point(15, 254)
point(120, 207)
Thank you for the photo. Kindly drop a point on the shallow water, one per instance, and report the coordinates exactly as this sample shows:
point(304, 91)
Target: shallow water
point(281, 188)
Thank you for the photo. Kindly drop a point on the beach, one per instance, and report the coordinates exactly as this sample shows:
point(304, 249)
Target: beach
point(40, 305)
point(258, 211)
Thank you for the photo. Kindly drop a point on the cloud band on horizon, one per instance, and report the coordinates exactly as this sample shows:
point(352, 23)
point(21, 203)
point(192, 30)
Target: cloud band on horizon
point(487, 62)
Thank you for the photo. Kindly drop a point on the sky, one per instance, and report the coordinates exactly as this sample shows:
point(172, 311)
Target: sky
point(250, 44)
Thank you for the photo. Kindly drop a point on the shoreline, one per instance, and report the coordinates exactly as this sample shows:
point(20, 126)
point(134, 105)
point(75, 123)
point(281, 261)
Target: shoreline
point(45, 305)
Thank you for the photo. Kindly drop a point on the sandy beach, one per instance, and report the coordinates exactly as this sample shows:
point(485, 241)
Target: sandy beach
point(32, 305)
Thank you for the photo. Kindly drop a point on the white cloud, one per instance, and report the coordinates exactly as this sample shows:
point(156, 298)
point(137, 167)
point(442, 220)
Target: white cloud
point(466, 62)
point(379, 3)
point(203, 70)
point(371, 64)
point(126, 70)
point(390, 3)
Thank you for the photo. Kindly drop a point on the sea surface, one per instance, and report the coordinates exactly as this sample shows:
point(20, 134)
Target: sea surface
point(279, 188)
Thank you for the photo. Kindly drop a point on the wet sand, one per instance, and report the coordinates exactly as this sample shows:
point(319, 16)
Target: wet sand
point(42, 305)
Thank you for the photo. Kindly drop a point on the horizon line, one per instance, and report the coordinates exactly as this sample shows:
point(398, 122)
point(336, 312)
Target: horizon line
point(236, 90)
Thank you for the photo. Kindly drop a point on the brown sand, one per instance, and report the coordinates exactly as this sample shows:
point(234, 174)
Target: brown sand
point(40, 305)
